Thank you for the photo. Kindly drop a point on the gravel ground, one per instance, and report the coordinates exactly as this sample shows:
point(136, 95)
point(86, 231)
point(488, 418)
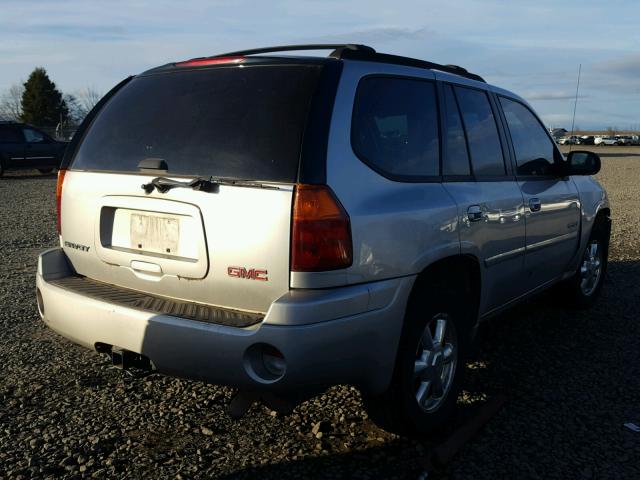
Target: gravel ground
point(572, 381)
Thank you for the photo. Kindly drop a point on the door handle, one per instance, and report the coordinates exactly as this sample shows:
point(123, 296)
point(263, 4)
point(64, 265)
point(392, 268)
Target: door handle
point(146, 267)
point(474, 213)
point(534, 204)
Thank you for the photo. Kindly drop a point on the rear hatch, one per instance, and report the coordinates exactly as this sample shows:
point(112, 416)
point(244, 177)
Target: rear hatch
point(224, 241)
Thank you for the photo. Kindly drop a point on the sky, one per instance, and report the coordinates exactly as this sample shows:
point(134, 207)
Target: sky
point(531, 48)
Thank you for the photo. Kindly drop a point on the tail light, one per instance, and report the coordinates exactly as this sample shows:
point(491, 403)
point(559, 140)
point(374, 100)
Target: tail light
point(321, 233)
point(61, 174)
point(203, 62)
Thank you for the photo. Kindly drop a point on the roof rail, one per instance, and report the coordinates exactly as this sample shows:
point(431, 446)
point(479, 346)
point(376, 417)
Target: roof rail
point(338, 49)
point(355, 51)
point(410, 62)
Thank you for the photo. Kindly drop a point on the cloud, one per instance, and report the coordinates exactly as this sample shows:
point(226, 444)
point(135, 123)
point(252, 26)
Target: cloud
point(552, 96)
point(374, 34)
point(627, 66)
point(77, 32)
point(524, 48)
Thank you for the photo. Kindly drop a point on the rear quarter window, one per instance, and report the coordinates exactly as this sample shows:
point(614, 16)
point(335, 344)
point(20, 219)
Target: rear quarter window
point(228, 122)
point(395, 127)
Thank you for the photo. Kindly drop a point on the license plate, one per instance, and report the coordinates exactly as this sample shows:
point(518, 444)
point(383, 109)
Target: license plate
point(155, 234)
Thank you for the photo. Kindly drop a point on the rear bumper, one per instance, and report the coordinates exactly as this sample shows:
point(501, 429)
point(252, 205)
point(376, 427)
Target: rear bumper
point(345, 335)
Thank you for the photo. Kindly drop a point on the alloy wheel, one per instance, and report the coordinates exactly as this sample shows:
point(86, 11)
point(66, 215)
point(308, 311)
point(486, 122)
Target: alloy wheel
point(435, 364)
point(591, 268)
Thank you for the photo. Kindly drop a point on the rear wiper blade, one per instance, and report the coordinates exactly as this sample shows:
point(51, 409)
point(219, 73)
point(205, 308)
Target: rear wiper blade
point(241, 183)
point(163, 184)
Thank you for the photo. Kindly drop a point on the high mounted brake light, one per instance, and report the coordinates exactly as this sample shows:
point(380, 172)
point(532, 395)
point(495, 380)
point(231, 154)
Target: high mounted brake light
point(321, 233)
point(202, 62)
point(61, 174)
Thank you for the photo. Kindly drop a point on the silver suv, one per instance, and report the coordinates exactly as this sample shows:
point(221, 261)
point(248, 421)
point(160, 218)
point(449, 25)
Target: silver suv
point(284, 223)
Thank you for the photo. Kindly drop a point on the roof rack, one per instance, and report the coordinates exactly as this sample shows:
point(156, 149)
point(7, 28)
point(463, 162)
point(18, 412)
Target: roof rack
point(410, 62)
point(337, 49)
point(355, 51)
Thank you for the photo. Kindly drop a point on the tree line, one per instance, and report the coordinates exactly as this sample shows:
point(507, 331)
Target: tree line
point(39, 102)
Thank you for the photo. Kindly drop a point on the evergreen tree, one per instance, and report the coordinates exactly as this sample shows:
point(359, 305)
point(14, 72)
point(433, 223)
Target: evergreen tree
point(42, 102)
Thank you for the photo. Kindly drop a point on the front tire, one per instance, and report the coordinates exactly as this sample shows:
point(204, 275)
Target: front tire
point(430, 364)
point(45, 171)
point(582, 290)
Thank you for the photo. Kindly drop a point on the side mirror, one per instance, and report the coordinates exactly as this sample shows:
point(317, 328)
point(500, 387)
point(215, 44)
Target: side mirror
point(581, 162)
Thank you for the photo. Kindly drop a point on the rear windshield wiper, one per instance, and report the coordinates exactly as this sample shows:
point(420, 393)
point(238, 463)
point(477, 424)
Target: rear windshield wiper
point(163, 184)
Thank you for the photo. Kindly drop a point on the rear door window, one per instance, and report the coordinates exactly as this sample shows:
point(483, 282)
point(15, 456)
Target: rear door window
point(482, 132)
point(456, 161)
point(395, 127)
point(228, 122)
point(33, 136)
point(535, 152)
point(10, 134)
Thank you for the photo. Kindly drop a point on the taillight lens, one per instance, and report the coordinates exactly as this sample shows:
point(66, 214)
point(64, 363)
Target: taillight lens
point(321, 233)
point(61, 174)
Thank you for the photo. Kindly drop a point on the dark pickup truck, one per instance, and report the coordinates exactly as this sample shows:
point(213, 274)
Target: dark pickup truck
point(23, 147)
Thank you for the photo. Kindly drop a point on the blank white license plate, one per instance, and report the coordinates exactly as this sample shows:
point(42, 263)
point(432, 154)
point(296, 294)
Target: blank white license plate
point(155, 234)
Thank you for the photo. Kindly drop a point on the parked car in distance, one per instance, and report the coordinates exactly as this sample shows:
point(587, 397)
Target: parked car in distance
point(585, 140)
point(23, 147)
point(623, 140)
point(572, 140)
point(602, 141)
point(223, 247)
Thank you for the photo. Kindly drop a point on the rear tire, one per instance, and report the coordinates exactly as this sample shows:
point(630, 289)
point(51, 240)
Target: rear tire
point(430, 364)
point(582, 290)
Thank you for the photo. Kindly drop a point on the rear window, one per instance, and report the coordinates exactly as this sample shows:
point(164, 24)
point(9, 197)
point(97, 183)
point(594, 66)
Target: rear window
point(238, 122)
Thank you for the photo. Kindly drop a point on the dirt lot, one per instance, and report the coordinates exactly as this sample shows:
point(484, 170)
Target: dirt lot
point(572, 380)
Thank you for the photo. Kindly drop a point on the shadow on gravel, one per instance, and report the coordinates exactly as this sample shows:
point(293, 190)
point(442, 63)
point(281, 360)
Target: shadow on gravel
point(564, 415)
point(393, 460)
point(16, 176)
point(614, 154)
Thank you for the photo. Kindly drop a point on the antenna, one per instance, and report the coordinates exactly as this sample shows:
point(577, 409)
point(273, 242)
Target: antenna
point(575, 104)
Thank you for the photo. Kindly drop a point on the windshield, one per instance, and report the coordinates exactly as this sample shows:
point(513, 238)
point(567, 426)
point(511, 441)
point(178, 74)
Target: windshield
point(233, 122)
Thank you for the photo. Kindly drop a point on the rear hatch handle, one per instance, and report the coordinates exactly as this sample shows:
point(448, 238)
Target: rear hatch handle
point(163, 184)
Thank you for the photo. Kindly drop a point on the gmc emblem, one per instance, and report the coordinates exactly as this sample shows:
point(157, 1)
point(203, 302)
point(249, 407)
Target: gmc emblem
point(253, 274)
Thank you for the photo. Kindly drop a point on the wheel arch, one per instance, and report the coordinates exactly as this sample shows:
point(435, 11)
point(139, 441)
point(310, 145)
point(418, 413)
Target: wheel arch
point(602, 217)
point(603, 213)
point(458, 271)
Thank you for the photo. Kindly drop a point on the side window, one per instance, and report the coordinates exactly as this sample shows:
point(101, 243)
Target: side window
point(33, 136)
point(395, 126)
point(534, 150)
point(456, 161)
point(10, 134)
point(482, 132)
